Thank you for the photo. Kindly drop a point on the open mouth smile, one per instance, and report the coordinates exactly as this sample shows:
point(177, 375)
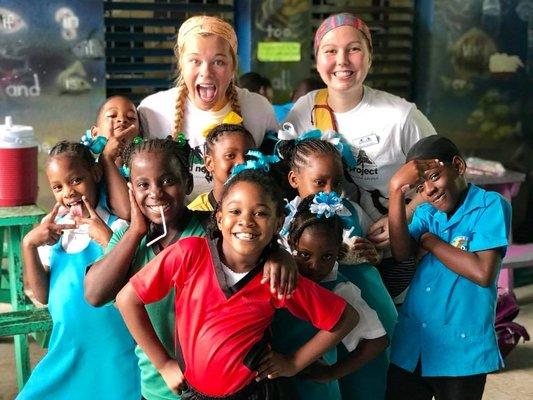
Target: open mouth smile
point(206, 92)
point(245, 236)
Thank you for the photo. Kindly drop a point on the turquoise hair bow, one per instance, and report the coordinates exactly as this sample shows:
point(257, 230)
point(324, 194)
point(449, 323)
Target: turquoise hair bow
point(342, 147)
point(95, 144)
point(260, 162)
point(330, 204)
point(287, 132)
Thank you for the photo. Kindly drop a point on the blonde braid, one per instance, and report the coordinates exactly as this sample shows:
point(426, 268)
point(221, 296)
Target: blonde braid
point(233, 97)
point(181, 101)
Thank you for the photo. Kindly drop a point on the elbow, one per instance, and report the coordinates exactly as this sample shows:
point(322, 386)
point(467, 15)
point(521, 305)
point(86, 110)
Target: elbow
point(41, 297)
point(351, 319)
point(92, 294)
point(484, 280)
point(123, 298)
point(382, 343)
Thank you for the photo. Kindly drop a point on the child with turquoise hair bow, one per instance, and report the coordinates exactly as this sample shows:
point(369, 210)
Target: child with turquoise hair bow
point(117, 125)
point(315, 166)
point(316, 240)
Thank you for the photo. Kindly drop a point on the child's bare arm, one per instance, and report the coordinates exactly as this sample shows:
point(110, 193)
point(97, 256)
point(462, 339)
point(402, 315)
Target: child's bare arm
point(408, 176)
point(136, 318)
point(402, 245)
point(106, 277)
point(479, 267)
point(47, 233)
point(117, 189)
point(366, 351)
point(275, 365)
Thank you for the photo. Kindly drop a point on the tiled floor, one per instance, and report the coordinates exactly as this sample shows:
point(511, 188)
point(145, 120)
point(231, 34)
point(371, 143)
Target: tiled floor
point(515, 382)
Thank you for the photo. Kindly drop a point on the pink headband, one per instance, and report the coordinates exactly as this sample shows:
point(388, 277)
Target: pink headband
point(336, 20)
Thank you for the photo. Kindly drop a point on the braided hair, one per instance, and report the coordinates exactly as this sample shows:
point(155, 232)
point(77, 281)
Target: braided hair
point(259, 178)
point(181, 151)
point(304, 218)
point(73, 150)
point(296, 153)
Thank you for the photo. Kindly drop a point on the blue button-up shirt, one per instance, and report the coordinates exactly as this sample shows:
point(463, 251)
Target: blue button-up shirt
point(447, 321)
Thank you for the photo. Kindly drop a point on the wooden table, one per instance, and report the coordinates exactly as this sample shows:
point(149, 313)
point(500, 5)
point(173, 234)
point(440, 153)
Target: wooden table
point(24, 318)
point(517, 256)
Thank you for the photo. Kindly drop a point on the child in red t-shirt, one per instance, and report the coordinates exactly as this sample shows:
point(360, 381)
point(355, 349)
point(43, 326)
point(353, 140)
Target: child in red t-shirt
point(222, 309)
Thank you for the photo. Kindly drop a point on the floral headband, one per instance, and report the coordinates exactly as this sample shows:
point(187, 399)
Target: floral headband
point(260, 163)
point(287, 132)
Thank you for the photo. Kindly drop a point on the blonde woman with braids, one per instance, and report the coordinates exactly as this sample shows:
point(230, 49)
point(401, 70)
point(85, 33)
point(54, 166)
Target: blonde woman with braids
point(205, 92)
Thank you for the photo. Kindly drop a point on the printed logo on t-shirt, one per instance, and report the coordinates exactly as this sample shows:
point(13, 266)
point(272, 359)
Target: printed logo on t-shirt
point(364, 166)
point(460, 242)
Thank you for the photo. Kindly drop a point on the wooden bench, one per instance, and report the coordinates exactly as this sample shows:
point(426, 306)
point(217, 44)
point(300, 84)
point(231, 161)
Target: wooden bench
point(24, 318)
point(24, 322)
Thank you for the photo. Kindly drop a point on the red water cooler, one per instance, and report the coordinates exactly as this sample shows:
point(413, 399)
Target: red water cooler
point(18, 165)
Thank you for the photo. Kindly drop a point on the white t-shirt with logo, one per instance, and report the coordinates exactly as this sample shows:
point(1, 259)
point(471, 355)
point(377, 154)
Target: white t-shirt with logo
point(157, 113)
point(380, 129)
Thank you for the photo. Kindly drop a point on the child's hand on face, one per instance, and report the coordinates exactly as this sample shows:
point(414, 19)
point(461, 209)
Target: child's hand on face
point(173, 376)
point(48, 232)
point(275, 365)
point(98, 230)
point(410, 174)
point(115, 142)
point(282, 273)
point(138, 223)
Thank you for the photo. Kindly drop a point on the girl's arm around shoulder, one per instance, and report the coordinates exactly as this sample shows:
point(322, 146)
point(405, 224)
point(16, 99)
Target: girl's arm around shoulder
point(136, 318)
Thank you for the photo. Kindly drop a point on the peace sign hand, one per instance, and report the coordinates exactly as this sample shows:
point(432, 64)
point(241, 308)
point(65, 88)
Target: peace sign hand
point(98, 230)
point(48, 232)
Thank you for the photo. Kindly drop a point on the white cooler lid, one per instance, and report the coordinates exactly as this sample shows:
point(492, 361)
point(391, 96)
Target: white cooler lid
point(16, 136)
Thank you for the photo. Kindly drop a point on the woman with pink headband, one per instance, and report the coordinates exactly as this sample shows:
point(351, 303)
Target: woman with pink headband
point(381, 128)
point(205, 93)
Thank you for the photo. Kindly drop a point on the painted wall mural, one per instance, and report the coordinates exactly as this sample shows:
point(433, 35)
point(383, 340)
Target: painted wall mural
point(52, 67)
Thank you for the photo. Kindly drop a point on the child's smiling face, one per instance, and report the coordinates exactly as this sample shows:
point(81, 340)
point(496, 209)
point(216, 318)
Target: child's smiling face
point(322, 173)
point(316, 252)
point(118, 116)
point(157, 181)
point(71, 178)
point(444, 186)
point(248, 219)
point(228, 151)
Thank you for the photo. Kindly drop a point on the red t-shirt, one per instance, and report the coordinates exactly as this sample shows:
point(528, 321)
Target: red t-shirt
point(217, 325)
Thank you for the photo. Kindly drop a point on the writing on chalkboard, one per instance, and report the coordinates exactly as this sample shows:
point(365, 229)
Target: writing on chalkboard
point(19, 90)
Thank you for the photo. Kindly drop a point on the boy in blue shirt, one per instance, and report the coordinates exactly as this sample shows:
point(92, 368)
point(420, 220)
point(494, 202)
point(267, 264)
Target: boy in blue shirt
point(444, 343)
